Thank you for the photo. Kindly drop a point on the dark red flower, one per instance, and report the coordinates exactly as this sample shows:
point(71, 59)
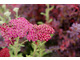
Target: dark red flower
point(4, 52)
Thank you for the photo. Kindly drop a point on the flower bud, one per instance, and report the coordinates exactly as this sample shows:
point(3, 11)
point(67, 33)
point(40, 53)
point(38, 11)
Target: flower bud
point(3, 6)
point(16, 9)
point(7, 13)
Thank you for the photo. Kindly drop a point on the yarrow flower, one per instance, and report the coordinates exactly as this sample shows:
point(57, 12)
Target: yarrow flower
point(21, 25)
point(40, 32)
point(4, 52)
point(21, 28)
point(16, 28)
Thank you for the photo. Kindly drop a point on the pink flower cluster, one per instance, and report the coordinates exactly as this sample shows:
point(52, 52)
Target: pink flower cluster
point(16, 28)
point(20, 27)
point(40, 32)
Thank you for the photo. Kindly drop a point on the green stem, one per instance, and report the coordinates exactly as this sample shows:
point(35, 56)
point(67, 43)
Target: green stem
point(9, 18)
point(16, 52)
point(24, 41)
point(39, 49)
point(47, 12)
point(34, 52)
point(40, 52)
point(16, 14)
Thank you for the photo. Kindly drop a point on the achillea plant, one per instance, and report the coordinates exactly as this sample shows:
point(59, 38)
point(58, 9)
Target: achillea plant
point(21, 28)
point(40, 32)
point(4, 52)
point(16, 28)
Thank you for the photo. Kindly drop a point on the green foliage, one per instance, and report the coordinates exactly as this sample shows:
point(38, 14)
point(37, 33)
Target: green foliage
point(52, 35)
point(50, 20)
point(46, 14)
point(40, 22)
point(38, 49)
point(5, 14)
point(15, 49)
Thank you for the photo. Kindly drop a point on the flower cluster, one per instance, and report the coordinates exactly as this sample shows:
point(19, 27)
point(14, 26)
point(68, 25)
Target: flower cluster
point(63, 17)
point(74, 31)
point(40, 32)
point(20, 27)
point(16, 28)
point(4, 52)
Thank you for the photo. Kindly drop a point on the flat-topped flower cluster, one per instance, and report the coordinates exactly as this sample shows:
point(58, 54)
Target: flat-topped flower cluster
point(21, 27)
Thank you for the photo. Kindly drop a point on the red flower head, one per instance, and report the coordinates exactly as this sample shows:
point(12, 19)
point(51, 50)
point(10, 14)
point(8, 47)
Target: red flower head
point(40, 32)
point(4, 52)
